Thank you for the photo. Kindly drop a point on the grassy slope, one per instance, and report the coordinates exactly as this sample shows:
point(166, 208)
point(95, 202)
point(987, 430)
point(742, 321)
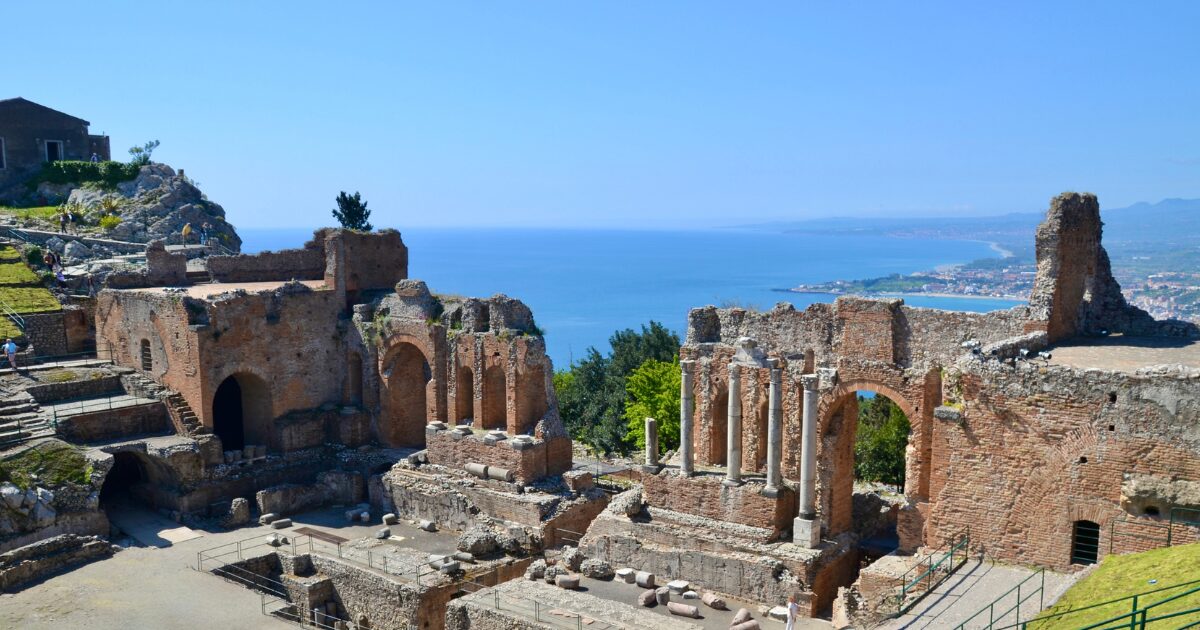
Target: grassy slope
point(52, 462)
point(47, 213)
point(1124, 575)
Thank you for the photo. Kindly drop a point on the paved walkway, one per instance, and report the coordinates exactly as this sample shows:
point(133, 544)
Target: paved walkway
point(156, 587)
point(1126, 353)
point(971, 589)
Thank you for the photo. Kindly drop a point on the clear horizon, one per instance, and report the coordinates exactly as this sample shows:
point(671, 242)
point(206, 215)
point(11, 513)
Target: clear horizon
point(672, 116)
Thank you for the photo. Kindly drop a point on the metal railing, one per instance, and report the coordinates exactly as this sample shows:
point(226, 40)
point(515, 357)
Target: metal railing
point(80, 406)
point(1136, 619)
point(931, 571)
point(1038, 589)
point(414, 571)
point(12, 314)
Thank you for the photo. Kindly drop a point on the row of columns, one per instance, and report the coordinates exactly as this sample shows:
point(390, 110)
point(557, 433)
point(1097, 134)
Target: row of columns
point(806, 529)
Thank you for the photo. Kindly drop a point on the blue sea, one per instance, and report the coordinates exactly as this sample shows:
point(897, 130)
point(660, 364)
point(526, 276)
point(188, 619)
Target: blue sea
point(584, 284)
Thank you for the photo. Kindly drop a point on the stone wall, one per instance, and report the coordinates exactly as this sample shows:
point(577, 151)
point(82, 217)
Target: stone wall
point(707, 496)
point(47, 557)
point(86, 388)
point(527, 461)
point(112, 424)
point(46, 333)
point(287, 264)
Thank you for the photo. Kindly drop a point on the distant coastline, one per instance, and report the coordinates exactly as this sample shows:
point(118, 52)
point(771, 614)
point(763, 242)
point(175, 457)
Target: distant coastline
point(889, 294)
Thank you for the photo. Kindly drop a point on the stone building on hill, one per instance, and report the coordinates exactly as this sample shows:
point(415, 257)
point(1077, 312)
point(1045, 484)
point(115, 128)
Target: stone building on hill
point(33, 134)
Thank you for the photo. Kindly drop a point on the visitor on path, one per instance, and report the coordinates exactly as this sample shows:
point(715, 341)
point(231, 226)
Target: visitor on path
point(186, 231)
point(71, 222)
point(95, 158)
point(204, 228)
point(62, 222)
point(50, 259)
point(793, 613)
point(10, 349)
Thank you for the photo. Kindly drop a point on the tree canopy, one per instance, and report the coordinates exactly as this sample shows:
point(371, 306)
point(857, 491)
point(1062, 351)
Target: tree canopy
point(880, 442)
point(592, 391)
point(352, 212)
point(653, 391)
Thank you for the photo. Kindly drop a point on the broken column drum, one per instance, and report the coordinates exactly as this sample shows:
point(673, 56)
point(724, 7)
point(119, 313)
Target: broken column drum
point(651, 443)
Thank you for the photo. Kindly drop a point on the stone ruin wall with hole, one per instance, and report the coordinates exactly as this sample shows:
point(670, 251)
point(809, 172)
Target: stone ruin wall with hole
point(1032, 423)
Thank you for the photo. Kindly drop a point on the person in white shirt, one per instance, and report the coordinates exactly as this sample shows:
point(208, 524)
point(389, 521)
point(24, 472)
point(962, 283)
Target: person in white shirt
point(793, 612)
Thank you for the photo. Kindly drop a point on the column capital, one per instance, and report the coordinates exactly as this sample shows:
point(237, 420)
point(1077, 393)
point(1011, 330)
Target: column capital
point(810, 382)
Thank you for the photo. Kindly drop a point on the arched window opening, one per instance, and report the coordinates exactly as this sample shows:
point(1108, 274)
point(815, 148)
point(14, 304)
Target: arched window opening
point(495, 398)
point(719, 428)
point(407, 380)
point(464, 395)
point(880, 441)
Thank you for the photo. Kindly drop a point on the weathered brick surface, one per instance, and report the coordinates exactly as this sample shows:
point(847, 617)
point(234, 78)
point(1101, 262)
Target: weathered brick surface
point(111, 424)
point(704, 495)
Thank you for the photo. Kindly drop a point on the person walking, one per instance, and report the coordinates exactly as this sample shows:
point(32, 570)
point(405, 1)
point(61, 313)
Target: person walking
point(793, 613)
point(62, 222)
point(186, 232)
point(10, 350)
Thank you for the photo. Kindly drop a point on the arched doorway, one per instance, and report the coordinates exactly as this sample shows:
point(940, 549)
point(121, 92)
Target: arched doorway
point(242, 412)
point(864, 438)
point(531, 397)
point(495, 398)
point(464, 394)
point(719, 428)
point(406, 375)
point(124, 481)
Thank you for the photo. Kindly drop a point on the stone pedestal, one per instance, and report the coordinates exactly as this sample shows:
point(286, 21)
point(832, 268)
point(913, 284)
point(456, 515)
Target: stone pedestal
point(806, 532)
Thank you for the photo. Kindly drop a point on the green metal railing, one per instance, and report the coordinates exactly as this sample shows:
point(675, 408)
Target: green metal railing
point(1037, 589)
point(1136, 619)
point(931, 571)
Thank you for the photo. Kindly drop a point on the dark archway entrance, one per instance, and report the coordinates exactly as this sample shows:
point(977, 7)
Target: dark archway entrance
point(228, 420)
point(406, 377)
point(122, 483)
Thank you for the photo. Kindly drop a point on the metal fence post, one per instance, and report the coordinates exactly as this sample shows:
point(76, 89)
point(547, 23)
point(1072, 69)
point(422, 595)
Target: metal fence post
point(1133, 614)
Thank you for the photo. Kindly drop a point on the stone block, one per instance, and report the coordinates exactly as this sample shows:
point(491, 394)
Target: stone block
point(644, 579)
point(578, 480)
point(806, 532)
point(450, 566)
point(383, 534)
point(428, 526)
point(683, 610)
point(691, 595)
point(749, 624)
point(778, 613)
point(570, 581)
point(626, 575)
point(647, 598)
point(663, 594)
point(390, 519)
point(268, 518)
point(678, 586)
point(281, 523)
point(742, 615)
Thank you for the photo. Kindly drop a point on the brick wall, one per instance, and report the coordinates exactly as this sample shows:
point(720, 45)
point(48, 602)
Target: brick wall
point(704, 495)
point(46, 332)
point(113, 424)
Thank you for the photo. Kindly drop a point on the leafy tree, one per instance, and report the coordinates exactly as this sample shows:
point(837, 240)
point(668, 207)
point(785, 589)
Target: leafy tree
point(352, 212)
point(881, 441)
point(140, 156)
point(592, 398)
point(653, 391)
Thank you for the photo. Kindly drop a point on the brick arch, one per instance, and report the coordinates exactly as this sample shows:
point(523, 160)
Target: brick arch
point(407, 382)
point(837, 429)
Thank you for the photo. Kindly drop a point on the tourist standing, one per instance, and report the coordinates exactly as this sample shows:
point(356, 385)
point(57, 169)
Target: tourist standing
point(62, 222)
point(204, 228)
point(793, 612)
point(95, 158)
point(10, 349)
point(186, 232)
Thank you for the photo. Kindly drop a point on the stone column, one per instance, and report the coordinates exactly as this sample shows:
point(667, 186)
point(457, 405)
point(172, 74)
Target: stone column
point(806, 530)
point(651, 446)
point(687, 409)
point(775, 431)
point(733, 438)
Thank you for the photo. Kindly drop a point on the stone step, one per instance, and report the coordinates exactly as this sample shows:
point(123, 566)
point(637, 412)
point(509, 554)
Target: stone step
point(20, 417)
point(18, 409)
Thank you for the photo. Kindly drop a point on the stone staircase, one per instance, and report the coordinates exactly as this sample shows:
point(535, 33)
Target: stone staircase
point(199, 276)
point(21, 418)
point(183, 416)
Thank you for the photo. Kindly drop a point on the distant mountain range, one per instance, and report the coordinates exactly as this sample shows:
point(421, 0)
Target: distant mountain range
point(1168, 222)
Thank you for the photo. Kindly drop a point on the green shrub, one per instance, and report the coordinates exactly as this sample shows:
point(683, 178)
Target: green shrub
point(109, 221)
point(34, 255)
point(105, 174)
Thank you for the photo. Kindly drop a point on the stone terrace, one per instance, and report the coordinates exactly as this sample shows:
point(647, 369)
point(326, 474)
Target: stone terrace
point(1126, 354)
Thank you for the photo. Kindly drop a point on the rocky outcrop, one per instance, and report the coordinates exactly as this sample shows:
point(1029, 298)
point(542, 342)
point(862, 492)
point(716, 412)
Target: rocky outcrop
point(25, 510)
point(156, 205)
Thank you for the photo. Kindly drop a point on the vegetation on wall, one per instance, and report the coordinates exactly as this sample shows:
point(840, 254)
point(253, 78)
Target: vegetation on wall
point(352, 212)
point(104, 174)
point(880, 442)
point(592, 393)
point(140, 156)
point(49, 464)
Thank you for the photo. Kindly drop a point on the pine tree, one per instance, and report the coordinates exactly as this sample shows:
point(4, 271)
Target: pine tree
point(352, 212)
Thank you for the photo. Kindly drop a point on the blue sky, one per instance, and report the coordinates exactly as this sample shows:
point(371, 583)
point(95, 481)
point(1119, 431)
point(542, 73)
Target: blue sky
point(666, 114)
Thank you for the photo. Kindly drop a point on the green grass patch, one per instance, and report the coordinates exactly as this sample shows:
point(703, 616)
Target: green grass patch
point(17, 273)
point(54, 463)
point(45, 213)
point(59, 376)
point(1130, 574)
point(29, 299)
